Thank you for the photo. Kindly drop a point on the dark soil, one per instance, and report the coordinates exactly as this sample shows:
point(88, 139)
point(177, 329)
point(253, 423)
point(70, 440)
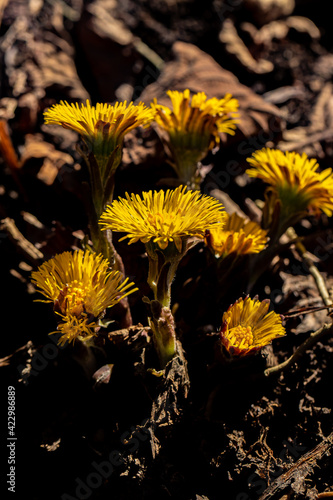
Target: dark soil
point(235, 435)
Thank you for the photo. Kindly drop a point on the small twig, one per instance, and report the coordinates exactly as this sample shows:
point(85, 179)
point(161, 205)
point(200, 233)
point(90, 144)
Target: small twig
point(323, 135)
point(298, 472)
point(312, 339)
point(148, 53)
point(300, 311)
point(7, 359)
point(26, 247)
point(312, 268)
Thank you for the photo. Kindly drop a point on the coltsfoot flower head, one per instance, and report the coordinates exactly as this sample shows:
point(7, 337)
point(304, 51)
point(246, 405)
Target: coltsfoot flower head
point(81, 287)
point(196, 121)
point(247, 326)
point(164, 217)
point(102, 129)
point(239, 237)
point(193, 126)
point(295, 181)
point(103, 126)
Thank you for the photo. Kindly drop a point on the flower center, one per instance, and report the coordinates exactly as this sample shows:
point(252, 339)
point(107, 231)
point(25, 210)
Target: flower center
point(72, 299)
point(241, 336)
point(163, 221)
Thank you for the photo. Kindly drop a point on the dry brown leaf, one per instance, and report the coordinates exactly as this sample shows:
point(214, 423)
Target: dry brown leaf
point(56, 67)
point(35, 147)
point(320, 128)
point(194, 69)
point(38, 61)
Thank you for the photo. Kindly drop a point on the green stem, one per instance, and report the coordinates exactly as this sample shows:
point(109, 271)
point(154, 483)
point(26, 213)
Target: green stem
point(101, 193)
point(163, 288)
point(189, 172)
point(160, 282)
point(161, 272)
point(162, 323)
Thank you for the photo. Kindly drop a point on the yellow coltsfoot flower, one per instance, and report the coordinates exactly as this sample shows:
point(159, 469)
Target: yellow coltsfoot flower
point(247, 326)
point(164, 217)
point(102, 126)
point(81, 286)
point(192, 127)
point(169, 223)
point(102, 129)
point(296, 183)
point(239, 236)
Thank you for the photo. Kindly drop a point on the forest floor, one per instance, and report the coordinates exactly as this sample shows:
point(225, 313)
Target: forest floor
point(231, 433)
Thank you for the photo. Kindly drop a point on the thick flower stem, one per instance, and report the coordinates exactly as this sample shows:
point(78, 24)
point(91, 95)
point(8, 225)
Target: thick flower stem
point(99, 194)
point(159, 283)
point(162, 323)
point(161, 272)
point(187, 169)
point(101, 241)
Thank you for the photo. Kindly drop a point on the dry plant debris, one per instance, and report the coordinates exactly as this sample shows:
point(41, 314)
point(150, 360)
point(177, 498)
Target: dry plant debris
point(166, 182)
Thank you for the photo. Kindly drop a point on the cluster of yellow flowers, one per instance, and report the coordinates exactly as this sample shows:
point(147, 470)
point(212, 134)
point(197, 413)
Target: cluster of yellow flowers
point(82, 286)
